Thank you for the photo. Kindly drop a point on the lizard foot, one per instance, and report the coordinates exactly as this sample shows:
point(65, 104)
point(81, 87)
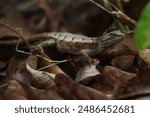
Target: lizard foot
point(84, 60)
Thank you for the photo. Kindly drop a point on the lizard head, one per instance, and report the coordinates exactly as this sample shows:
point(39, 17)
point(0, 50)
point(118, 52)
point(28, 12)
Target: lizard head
point(112, 38)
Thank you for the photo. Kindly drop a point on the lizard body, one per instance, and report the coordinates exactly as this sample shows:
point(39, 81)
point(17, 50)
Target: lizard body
point(75, 44)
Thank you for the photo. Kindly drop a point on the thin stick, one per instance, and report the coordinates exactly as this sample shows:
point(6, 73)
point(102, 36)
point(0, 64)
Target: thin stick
point(124, 16)
point(10, 28)
point(55, 63)
point(21, 51)
point(29, 46)
point(117, 13)
point(100, 6)
point(3, 85)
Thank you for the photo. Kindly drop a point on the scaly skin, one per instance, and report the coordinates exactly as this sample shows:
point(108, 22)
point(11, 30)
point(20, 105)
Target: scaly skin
point(78, 44)
point(73, 43)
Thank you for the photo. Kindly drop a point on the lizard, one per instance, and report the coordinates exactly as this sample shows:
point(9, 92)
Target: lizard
point(74, 43)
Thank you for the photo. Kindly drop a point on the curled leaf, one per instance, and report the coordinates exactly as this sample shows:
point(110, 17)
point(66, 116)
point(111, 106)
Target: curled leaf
point(15, 91)
point(41, 79)
point(86, 71)
point(145, 56)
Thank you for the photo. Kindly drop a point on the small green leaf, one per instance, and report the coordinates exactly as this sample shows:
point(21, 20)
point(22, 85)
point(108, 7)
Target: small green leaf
point(142, 31)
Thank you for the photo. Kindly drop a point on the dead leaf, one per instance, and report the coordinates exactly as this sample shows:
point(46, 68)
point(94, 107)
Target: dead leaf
point(130, 43)
point(41, 79)
point(17, 70)
point(144, 68)
point(71, 90)
point(86, 71)
point(144, 77)
point(118, 79)
point(140, 94)
point(32, 61)
point(145, 56)
point(15, 91)
point(117, 50)
point(123, 62)
point(117, 73)
point(40, 94)
point(19, 91)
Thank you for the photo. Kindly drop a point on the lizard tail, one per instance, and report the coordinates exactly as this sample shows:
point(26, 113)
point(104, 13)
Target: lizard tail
point(12, 40)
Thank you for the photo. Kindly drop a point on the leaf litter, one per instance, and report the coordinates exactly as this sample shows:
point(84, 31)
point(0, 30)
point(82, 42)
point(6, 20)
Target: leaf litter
point(120, 72)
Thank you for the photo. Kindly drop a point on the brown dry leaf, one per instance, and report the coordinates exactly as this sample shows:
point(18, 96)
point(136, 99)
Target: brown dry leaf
point(32, 61)
point(101, 84)
point(39, 94)
point(117, 50)
point(71, 90)
point(144, 77)
point(117, 79)
point(41, 79)
point(62, 88)
point(145, 56)
point(110, 71)
point(144, 68)
point(17, 70)
point(130, 43)
point(15, 91)
point(20, 70)
point(124, 62)
point(21, 91)
point(140, 94)
point(86, 71)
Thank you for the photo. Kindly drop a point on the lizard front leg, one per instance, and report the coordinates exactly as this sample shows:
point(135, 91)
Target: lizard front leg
point(84, 58)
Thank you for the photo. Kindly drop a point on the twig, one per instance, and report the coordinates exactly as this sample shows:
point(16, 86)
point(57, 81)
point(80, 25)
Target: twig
point(100, 6)
point(30, 47)
point(55, 63)
point(3, 85)
point(117, 13)
point(10, 28)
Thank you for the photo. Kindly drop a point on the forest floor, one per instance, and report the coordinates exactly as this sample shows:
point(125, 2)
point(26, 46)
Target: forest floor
point(119, 72)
